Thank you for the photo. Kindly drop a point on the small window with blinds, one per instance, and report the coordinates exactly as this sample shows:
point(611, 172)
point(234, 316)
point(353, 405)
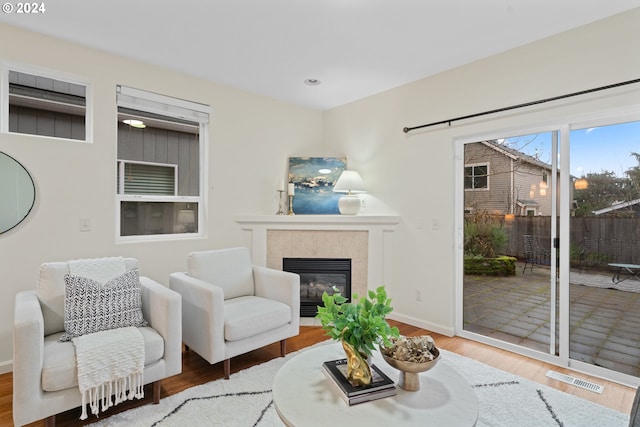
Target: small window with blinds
point(38, 104)
point(159, 165)
point(146, 178)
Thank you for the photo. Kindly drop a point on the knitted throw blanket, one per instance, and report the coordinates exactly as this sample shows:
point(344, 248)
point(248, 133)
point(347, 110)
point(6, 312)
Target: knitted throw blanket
point(98, 269)
point(109, 363)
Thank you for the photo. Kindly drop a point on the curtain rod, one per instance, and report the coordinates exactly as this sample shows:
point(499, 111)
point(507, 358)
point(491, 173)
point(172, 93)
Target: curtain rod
point(526, 104)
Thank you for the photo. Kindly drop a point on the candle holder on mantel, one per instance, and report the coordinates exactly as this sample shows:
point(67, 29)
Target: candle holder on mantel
point(291, 205)
point(280, 211)
point(291, 190)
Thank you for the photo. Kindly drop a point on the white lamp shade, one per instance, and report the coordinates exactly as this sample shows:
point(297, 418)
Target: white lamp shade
point(349, 182)
point(186, 217)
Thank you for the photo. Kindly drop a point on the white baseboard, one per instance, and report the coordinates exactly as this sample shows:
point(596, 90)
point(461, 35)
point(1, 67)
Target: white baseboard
point(309, 321)
point(6, 367)
point(444, 330)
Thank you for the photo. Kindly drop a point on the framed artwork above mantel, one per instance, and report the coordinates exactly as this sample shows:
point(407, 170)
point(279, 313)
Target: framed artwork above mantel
point(314, 179)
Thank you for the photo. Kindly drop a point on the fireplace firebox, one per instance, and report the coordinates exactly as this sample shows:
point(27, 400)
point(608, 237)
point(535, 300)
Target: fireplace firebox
point(316, 276)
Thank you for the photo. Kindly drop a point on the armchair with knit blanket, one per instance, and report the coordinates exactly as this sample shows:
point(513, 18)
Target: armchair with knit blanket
point(230, 306)
point(45, 372)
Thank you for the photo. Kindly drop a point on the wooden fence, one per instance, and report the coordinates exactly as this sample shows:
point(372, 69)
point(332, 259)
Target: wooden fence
point(595, 241)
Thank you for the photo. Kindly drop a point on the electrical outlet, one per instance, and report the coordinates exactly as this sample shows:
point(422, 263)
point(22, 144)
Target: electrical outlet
point(363, 203)
point(418, 295)
point(85, 224)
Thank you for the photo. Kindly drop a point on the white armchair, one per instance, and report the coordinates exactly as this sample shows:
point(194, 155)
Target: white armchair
point(230, 306)
point(45, 380)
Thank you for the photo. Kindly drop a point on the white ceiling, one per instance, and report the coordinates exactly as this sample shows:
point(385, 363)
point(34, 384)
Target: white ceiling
point(355, 47)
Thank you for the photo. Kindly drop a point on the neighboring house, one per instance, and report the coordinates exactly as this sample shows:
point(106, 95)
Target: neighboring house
point(501, 180)
point(626, 209)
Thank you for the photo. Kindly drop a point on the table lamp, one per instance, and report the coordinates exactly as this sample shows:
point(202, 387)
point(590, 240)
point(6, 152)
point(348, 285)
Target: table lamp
point(186, 220)
point(351, 183)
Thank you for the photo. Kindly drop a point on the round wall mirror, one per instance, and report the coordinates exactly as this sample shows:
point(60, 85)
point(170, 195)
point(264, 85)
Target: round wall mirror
point(17, 193)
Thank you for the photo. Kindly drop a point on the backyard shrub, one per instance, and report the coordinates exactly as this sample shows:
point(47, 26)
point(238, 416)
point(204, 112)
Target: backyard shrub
point(484, 235)
point(500, 266)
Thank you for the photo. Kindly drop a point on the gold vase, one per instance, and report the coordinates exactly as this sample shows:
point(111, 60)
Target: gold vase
point(358, 371)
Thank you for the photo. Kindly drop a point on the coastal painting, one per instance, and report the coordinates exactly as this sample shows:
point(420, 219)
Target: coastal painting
point(313, 179)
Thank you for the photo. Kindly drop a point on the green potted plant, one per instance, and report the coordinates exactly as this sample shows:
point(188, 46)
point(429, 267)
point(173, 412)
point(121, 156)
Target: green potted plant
point(360, 326)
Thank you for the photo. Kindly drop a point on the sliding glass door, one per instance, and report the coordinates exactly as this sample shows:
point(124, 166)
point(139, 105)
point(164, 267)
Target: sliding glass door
point(509, 262)
point(604, 284)
point(551, 236)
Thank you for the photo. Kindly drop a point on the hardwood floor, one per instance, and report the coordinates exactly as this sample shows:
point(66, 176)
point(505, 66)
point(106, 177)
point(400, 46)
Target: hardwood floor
point(196, 370)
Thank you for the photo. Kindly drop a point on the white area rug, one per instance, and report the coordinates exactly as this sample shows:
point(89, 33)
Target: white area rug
point(245, 400)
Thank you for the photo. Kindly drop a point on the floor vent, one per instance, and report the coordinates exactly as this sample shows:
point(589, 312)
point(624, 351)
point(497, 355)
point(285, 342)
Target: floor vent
point(575, 381)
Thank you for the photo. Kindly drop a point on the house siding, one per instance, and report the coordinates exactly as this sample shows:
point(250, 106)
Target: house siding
point(502, 195)
point(163, 146)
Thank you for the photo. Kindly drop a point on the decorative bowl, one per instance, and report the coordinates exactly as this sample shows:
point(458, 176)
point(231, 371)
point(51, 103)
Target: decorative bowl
point(411, 355)
point(409, 379)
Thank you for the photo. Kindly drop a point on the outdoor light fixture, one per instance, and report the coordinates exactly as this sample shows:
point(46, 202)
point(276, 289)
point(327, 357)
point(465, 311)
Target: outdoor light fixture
point(581, 184)
point(543, 188)
point(135, 123)
point(351, 183)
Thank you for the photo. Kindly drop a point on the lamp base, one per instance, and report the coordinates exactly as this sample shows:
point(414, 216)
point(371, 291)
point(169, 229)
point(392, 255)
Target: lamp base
point(349, 205)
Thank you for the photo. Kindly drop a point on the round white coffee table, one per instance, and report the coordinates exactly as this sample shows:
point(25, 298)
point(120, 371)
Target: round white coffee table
point(304, 397)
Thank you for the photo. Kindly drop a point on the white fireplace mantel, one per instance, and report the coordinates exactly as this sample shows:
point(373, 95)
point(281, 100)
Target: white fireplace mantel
point(318, 222)
point(378, 227)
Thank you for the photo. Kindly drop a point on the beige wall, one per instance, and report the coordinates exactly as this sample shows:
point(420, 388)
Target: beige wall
point(252, 137)
point(413, 174)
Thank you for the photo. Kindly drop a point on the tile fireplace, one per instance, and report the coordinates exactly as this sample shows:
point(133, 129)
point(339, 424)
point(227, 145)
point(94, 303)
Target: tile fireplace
point(318, 275)
point(364, 239)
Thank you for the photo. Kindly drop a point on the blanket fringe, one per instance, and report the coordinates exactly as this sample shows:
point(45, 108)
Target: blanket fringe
point(127, 388)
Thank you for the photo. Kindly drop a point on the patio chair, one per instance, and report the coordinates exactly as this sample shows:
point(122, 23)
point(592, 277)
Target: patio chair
point(534, 252)
point(588, 253)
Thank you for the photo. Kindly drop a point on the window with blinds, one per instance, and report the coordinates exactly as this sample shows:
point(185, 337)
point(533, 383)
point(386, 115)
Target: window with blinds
point(145, 178)
point(160, 165)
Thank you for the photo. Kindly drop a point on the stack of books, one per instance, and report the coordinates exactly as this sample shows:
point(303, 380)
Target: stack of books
point(381, 385)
